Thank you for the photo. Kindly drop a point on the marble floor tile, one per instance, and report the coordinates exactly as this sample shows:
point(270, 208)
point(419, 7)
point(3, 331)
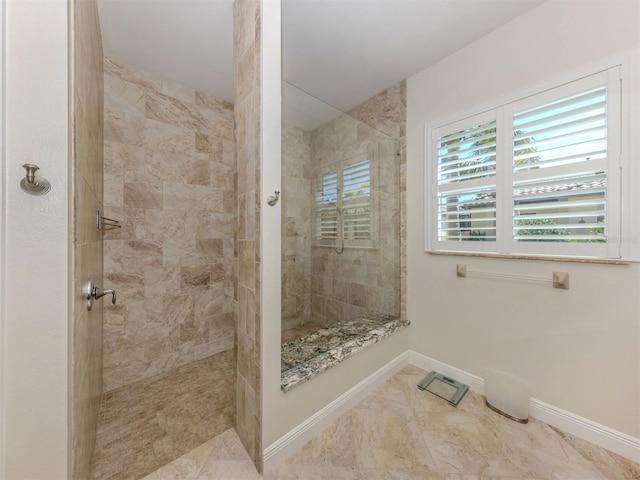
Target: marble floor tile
point(390, 439)
point(608, 463)
point(401, 433)
point(305, 472)
point(336, 446)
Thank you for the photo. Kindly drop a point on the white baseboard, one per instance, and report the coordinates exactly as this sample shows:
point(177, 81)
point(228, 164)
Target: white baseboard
point(293, 440)
point(605, 437)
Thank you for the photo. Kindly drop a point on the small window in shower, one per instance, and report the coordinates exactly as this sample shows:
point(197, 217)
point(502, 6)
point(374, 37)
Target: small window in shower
point(343, 204)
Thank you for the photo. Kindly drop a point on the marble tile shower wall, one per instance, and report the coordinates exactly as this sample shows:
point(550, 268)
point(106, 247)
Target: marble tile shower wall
point(362, 279)
point(87, 189)
point(169, 178)
point(247, 52)
point(387, 113)
point(296, 235)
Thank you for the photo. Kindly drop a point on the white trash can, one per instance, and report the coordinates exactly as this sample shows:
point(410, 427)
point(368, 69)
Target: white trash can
point(507, 394)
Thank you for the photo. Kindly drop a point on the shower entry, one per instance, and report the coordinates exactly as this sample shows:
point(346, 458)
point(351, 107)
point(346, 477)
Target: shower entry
point(340, 228)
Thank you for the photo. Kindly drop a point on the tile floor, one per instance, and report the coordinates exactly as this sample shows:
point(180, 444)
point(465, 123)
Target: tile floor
point(401, 433)
point(148, 424)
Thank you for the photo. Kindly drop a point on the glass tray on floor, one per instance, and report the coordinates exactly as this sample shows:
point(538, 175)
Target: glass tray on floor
point(444, 387)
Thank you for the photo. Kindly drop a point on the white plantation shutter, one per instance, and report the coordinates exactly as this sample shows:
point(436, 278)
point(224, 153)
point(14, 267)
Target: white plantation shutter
point(552, 189)
point(465, 182)
point(326, 201)
point(563, 132)
point(348, 189)
point(557, 210)
point(467, 215)
point(562, 165)
point(468, 154)
point(356, 200)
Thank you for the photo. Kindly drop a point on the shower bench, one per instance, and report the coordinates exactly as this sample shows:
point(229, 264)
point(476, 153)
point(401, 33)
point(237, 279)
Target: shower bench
point(312, 354)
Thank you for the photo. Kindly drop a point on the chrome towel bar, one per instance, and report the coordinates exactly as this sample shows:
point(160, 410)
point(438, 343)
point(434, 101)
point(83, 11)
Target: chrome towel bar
point(558, 279)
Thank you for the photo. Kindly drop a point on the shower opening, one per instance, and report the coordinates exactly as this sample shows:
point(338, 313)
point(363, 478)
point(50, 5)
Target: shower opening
point(340, 230)
point(168, 344)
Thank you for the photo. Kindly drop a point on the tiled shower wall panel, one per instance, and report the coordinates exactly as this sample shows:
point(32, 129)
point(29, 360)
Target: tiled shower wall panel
point(387, 113)
point(86, 326)
point(247, 52)
point(169, 177)
point(296, 233)
point(363, 279)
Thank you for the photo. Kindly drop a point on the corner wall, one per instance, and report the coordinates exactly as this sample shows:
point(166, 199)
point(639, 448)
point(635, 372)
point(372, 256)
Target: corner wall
point(579, 348)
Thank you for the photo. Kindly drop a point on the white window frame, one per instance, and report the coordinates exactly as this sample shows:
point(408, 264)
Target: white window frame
point(504, 178)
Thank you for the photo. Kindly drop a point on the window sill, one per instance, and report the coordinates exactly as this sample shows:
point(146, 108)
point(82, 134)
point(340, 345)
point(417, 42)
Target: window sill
point(603, 261)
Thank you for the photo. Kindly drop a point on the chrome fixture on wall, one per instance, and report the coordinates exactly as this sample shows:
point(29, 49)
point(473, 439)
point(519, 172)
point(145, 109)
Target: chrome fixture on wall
point(34, 185)
point(272, 200)
point(92, 292)
point(558, 279)
point(105, 223)
point(339, 249)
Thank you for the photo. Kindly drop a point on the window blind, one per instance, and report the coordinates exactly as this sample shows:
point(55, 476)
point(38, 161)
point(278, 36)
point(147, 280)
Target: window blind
point(569, 133)
point(356, 200)
point(466, 169)
point(467, 154)
point(326, 206)
point(343, 201)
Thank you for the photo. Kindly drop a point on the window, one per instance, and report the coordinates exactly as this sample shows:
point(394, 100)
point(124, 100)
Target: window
point(343, 205)
point(538, 176)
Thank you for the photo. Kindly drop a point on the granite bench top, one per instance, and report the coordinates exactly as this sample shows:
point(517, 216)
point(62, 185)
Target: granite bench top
point(312, 354)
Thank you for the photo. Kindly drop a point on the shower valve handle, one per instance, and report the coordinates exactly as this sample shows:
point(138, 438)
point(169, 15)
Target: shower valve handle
point(93, 293)
point(101, 292)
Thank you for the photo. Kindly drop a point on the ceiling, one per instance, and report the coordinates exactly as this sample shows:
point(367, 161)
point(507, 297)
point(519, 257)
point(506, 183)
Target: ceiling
point(341, 51)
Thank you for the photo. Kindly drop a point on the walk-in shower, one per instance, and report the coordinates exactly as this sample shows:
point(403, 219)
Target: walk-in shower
point(340, 218)
point(168, 344)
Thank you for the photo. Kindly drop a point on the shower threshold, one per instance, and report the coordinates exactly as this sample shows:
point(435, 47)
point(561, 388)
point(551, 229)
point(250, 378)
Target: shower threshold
point(312, 354)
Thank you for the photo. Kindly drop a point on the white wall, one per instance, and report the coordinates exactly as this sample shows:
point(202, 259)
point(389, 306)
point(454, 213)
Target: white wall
point(579, 349)
point(35, 278)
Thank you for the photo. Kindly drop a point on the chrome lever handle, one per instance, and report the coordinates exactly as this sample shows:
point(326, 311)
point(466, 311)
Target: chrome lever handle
point(101, 292)
point(92, 292)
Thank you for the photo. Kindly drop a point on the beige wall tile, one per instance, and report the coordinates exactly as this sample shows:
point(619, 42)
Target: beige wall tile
point(166, 183)
point(247, 49)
